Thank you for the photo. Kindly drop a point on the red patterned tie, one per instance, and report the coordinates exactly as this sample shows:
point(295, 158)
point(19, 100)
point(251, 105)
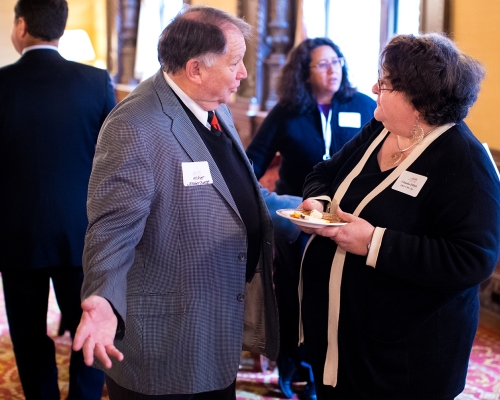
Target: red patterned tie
point(212, 119)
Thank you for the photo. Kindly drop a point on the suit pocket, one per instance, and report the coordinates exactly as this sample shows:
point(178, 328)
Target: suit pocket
point(156, 304)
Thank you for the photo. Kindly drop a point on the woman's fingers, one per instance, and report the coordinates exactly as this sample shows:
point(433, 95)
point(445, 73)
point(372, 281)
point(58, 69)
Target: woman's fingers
point(329, 231)
point(345, 216)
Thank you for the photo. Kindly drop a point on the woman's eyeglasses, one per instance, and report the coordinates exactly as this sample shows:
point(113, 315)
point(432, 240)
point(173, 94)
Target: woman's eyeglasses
point(380, 88)
point(324, 66)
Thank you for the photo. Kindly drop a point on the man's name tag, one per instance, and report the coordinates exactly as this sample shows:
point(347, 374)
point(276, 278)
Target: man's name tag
point(409, 183)
point(350, 119)
point(196, 173)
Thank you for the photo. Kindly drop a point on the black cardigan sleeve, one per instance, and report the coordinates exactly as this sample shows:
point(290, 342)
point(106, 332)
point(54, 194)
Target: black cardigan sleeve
point(457, 243)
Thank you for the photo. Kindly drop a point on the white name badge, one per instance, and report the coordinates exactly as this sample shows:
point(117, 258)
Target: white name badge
point(350, 119)
point(196, 173)
point(409, 183)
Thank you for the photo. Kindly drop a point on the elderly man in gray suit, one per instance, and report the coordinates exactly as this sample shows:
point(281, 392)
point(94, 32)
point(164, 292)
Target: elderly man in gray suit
point(178, 251)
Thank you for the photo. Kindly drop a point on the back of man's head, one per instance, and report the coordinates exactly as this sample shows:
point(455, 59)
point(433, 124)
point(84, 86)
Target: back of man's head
point(45, 19)
point(197, 32)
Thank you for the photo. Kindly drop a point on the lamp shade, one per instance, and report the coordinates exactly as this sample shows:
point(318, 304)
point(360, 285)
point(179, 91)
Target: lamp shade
point(75, 45)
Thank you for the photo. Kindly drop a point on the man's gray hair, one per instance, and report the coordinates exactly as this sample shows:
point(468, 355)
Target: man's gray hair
point(197, 32)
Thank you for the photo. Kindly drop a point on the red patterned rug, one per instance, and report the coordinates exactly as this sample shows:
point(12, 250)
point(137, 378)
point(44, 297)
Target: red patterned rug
point(483, 379)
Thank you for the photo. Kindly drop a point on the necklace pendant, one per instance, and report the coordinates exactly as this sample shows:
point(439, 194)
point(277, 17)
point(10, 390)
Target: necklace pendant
point(396, 158)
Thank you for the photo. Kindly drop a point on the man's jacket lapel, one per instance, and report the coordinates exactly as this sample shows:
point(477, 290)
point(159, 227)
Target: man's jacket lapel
point(182, 128)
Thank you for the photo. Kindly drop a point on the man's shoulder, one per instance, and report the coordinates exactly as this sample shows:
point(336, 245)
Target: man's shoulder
point(54, 64)
point(140, 104)
point(9, 69)
point(11, 76)
point(85, 69)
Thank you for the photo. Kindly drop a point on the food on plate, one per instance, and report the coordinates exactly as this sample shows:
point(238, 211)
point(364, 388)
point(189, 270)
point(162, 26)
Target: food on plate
point(313, 215)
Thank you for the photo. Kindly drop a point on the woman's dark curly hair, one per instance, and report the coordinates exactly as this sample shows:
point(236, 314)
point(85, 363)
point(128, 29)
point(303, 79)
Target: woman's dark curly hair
point(439, 80)
point(294, 90)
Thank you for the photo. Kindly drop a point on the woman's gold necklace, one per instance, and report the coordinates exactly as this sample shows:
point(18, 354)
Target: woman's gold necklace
point(415, 139)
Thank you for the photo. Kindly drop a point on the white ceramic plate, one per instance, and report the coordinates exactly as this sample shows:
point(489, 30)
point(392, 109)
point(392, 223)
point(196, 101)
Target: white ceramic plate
point(308, 223)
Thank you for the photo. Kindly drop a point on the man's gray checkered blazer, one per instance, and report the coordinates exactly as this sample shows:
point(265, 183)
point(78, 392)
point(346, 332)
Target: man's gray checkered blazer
point(171, 258)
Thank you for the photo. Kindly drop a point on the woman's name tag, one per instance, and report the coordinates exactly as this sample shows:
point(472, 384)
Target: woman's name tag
point(409, 183)
point(196, 173)
point(349, 119)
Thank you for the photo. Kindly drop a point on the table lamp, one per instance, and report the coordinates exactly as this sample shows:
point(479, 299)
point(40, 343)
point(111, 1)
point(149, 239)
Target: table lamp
point(75, 45)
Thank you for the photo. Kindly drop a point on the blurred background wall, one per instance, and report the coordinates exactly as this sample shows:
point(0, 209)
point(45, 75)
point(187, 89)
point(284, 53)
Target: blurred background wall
point(89, 15)
point(475, 26)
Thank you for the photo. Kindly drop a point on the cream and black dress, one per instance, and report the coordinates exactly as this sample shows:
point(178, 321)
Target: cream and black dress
point(406, 325)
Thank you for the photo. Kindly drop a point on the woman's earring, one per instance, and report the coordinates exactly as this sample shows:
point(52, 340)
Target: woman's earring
point(417, 133)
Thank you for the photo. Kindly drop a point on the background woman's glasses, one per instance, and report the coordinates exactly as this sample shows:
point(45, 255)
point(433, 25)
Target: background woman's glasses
point(324, 66)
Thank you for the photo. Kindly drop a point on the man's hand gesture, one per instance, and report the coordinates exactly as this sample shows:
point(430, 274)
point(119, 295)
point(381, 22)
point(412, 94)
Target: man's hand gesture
point(96, 332)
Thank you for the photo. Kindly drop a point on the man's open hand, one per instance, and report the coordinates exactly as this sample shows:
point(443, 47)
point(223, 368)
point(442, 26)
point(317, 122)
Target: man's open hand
point(96, 332)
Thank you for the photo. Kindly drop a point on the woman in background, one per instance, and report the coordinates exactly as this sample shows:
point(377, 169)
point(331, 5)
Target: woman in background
point(390, 300)
point(317, 113)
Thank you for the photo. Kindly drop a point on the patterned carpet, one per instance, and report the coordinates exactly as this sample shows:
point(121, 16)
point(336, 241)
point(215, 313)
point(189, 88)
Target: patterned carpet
point(483, 380)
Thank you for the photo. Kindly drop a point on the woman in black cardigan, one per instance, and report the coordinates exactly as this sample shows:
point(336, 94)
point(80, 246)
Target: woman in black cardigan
point(394, 315)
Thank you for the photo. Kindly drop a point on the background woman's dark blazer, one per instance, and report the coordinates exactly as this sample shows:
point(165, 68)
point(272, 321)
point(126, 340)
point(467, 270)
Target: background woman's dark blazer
point(299, 139)
point(51, 111)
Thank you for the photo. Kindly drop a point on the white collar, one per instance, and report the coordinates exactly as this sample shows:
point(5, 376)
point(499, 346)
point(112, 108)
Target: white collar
point(39, 46)
point(198, 112)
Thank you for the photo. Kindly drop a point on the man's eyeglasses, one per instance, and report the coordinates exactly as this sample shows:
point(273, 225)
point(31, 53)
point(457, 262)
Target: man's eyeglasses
point(380, 88)
point(324, 66)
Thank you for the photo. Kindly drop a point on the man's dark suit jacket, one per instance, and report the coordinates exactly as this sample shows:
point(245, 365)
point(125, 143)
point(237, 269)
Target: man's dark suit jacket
point(51, 111)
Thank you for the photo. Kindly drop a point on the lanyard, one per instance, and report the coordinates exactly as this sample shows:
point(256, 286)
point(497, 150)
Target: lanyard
point(327, 132)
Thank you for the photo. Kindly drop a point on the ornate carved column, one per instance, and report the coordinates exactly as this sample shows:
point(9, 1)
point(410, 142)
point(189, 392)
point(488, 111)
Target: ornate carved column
point(127, 40)
point(112, 36)
point(123, 21)
point(273, 22)
point(249, 98)
point(278, 38)
point(254, 12)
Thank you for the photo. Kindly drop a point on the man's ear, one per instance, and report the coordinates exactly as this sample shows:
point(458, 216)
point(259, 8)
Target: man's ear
point(19, 34)
point(193, 71)
point(21, 27)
